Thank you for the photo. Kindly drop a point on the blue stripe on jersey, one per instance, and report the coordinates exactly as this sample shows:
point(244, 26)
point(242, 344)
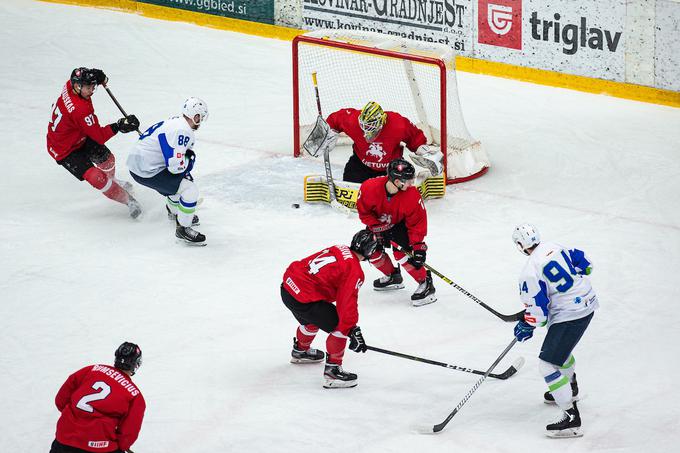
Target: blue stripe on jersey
point(187, 204)
point(541, 298)
point(578, 258)
point(552, 377)
point(168, 151)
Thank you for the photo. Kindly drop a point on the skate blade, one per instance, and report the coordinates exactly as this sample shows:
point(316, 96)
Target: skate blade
point(191, 244)
point(565, 433)
point(301, 361)
point(337, 384)
point(389, 288)
point(573, 400)
point(427, 301)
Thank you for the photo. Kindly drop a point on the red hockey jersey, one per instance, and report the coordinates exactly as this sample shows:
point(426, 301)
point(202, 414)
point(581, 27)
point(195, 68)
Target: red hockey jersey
point(333, 275)
point(387, 144)
point(380, 212)
point(101, 410)
point(73, 120)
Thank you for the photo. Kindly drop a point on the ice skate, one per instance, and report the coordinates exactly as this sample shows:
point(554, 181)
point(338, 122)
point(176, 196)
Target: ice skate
point(569, 425)
point(335, 377)
point(548, 398)
point(309, 356)
point(424, 293)
point(389, 282)
point(173, 217)
point(134, 207)
point(189, 236)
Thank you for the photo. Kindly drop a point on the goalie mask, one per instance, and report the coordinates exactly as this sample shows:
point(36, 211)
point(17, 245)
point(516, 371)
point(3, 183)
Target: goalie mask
point(365, 243)
point(128, 358)
point(371, 120)
point(195, 106)
point(526, 236)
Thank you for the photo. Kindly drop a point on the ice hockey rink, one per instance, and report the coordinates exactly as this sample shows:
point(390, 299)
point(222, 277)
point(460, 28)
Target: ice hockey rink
point(78, 276)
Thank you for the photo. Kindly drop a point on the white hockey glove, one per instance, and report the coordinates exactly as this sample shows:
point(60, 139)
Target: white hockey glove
point(321, 138)
point(428, 158)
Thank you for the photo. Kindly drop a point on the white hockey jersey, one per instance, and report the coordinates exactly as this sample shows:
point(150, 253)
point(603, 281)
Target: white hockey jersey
point(554, 285)
point(161, 146)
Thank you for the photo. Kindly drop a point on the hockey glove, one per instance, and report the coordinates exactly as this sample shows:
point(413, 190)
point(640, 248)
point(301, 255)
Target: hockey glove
point(191, 158)
point(99, 76)
point(127, 124)
point(419, 254)
point(356, 340)
point(523, 331)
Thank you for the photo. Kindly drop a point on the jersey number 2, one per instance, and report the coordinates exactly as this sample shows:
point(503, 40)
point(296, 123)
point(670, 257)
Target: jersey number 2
point(56, 117)
point(104, 391)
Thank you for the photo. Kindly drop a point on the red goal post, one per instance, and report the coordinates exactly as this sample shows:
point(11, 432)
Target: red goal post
point(415, 79)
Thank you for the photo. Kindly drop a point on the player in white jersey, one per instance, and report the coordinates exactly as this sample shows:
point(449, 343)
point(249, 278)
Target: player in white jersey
point(163, 158)
point(555, 289)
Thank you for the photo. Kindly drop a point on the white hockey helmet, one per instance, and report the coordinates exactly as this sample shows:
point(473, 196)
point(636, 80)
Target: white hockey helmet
point(526, 236)
point(195, 106)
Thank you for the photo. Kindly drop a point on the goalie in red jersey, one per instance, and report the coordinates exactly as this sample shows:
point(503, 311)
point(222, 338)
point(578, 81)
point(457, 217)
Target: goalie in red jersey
point(322, 292)
point(75, 139)
point(101, 408)
point(377, 138)
point(392, 208)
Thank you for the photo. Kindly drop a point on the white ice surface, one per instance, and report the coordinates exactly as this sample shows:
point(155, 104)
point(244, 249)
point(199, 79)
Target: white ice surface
point(77, 276)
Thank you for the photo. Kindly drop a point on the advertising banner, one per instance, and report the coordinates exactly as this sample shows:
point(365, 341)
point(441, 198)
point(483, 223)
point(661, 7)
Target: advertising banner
point(581, 38)
point(445, 21)
point(252, 10)
point(667, 48)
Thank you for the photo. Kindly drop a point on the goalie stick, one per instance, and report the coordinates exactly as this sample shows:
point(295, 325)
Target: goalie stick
point(503, 376)
point(507, 318)
point(440, 426)
point(326, 159)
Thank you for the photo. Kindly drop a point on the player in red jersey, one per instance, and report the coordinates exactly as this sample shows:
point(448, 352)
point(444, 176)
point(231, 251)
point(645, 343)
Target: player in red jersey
point(75, 139)
point(310, 288)
point(377, 137)
point(101, 408)
point(391, 207)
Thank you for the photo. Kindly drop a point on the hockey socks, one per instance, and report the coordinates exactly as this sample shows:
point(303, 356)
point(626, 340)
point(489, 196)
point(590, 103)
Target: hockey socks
point(335, 346)
point(305, 335)
point(110, 188)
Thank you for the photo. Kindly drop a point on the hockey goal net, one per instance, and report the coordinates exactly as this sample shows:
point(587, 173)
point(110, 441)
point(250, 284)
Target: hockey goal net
point(415, 79)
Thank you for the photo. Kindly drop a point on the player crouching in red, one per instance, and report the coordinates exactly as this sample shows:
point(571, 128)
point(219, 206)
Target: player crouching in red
point(311, 287)
point(392, 208)
point(76, 140)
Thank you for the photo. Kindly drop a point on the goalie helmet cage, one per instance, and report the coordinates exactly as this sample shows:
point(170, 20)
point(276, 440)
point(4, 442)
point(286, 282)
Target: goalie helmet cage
point(412, 78)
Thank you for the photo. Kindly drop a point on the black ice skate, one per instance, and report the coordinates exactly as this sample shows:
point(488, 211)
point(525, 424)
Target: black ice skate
point(134, 207)
point(189, 235)
point(173, 217)
point(424, 293)
point(308, 356)
point(335, 377)
point(567, 426)
point(548, 398)
point(389, 282)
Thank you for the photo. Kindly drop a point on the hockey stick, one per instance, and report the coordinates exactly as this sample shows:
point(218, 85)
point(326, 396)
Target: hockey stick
point(439, 427)
point(507, 318)
point(326, 158)
point(115, 101)
point(504, 375)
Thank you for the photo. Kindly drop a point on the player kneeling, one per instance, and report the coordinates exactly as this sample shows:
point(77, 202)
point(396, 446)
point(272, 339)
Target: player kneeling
point(163, 159)
point(309, 288)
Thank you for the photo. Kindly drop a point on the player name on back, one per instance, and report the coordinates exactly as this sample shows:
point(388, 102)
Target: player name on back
point(118, 377)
